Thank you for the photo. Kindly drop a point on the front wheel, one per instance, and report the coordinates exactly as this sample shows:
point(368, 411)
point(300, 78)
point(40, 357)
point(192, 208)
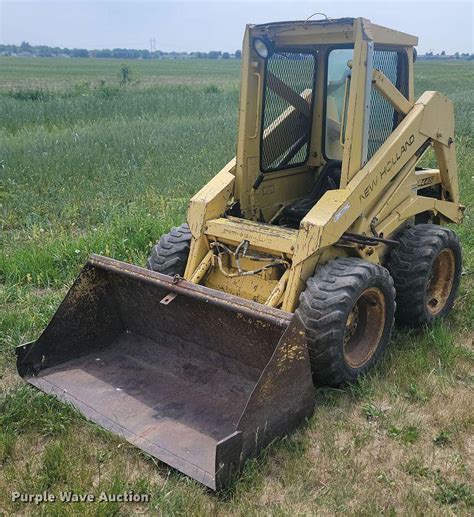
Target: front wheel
point(348, 310)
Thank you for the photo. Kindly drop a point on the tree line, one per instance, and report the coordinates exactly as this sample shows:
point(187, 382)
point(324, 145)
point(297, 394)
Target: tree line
point(443, 55)
point(25, 49)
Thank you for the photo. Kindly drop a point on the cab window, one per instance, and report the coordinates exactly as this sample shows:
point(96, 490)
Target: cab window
point(337, 95)
point(287, 110)
point(383, 118)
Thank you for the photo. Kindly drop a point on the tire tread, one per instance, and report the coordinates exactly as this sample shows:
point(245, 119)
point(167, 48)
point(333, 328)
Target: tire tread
point(410, 265)
point(329, 295)
point(170, 254)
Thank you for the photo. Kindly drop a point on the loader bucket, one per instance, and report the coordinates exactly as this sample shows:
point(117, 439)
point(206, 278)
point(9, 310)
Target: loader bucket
point(197, 378)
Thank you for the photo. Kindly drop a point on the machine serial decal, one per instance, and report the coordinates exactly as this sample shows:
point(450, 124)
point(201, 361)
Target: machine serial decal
point(341, 212)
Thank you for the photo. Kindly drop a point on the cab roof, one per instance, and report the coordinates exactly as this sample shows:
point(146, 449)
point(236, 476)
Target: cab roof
point(331, 31)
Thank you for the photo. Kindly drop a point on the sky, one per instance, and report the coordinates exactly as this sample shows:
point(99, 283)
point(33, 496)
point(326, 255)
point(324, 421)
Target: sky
point(217, 25)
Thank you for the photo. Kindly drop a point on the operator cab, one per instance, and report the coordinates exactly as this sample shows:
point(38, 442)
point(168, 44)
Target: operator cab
point(314, 96)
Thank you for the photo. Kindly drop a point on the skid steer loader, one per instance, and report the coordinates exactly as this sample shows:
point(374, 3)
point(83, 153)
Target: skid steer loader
point(287, 270)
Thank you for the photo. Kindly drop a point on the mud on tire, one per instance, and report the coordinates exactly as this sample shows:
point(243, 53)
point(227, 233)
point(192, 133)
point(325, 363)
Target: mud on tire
point(339, 293)
point(170, 254)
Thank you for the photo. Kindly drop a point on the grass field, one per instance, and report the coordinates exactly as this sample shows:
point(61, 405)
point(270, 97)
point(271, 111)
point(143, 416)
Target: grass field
point(87, 165)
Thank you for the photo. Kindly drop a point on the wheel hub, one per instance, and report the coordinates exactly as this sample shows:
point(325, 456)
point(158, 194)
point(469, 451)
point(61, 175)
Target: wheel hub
point(364, 327)
point(351, 324)
point(440, 283)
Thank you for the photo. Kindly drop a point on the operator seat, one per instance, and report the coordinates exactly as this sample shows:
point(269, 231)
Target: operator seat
point(328, 179)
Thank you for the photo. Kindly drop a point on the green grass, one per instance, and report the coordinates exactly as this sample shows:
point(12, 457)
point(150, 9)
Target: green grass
point(57, 74)
point(89, 166)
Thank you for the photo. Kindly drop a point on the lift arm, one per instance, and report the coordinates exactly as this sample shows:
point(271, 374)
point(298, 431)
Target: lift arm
point(430, 119)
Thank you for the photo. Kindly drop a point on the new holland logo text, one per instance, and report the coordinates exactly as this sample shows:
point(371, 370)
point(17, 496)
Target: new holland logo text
point(388, 167)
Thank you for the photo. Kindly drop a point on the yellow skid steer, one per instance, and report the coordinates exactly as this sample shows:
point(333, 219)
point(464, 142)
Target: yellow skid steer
point(293, 265)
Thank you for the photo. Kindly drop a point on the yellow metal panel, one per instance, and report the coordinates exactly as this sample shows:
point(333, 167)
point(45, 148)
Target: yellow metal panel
point(211, 201)
point(279, 188)
point(402, 186)
point(203, 268)
point(307, 33)
point(253, 287)
point(426, 178)
point(448, 169)
point(276, 295)
point(453, 212)
point(386, 36)
point(338, 209)
point(334, 31)
point(265, 238)
point(316, 151)
point(251, 91)
point(301, 41)
point(438, 121)
point(296, 284)
point(353, 144)
point(438, 124)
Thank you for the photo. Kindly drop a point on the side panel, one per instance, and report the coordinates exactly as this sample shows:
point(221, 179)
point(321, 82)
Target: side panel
point(210, 202)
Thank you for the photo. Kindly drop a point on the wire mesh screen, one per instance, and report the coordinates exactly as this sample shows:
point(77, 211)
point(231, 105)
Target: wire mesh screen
point(383, 119)
point(287, 108)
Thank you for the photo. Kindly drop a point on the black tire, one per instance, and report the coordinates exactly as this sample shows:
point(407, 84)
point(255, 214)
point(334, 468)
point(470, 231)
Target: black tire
point(334, 295)
point(426, 269)
point(170, 254)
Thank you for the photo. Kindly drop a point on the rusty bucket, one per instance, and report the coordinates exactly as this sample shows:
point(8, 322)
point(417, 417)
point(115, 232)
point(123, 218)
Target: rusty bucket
point(194, 377)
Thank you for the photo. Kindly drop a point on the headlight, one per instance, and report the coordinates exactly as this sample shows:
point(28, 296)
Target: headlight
point(261, 48)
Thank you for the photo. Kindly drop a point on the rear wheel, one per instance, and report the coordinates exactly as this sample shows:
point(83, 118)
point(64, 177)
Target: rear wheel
point(170, 254)
point(348, 310)
point(426, 269)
